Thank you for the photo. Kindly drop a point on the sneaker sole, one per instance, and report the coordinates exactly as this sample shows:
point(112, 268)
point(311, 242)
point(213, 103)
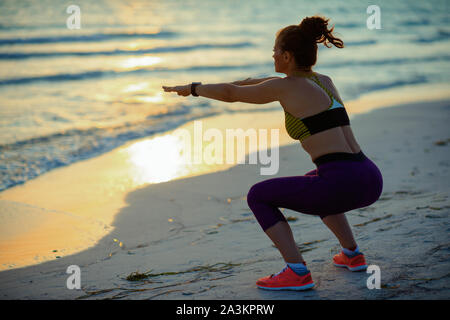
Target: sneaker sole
point(358, 268)
point(305, 287)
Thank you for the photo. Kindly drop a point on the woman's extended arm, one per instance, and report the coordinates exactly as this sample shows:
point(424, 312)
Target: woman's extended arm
point(262, 92)
point(217, 91)
point(250, 81)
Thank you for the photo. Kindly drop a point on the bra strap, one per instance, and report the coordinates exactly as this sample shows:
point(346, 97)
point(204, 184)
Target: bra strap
point(323, 87)
point(314, 78)
point(326, 90)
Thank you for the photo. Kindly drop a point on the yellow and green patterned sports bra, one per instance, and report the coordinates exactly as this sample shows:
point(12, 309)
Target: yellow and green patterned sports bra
point(334, 116)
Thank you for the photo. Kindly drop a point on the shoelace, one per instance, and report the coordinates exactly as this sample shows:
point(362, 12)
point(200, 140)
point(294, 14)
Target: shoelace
point(274, 275)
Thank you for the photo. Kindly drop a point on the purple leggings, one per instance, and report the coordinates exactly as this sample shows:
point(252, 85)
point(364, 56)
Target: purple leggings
point(341, 182)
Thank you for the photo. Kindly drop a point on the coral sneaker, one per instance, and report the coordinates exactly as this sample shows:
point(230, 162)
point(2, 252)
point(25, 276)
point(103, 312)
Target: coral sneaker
point(352, 263)
point(286, 279)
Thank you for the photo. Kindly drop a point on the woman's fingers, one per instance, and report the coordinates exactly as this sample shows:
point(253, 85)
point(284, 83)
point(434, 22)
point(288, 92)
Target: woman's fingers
point(180, 90)
point(171, 89)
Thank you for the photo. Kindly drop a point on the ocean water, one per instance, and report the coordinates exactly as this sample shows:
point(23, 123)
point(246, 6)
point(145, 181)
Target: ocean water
point(68, 95)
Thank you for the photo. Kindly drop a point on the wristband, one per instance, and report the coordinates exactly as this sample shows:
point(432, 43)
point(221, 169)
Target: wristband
point(193, 85)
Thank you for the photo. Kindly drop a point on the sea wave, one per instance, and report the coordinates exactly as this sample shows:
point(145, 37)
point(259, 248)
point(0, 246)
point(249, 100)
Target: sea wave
point(95, 37)
point(388, 61)
point(440, 35)
point(117, 52)
point(58, 77)
point(361, 88)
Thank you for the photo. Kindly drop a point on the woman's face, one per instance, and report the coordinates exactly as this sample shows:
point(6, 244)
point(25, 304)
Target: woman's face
point(278, 58)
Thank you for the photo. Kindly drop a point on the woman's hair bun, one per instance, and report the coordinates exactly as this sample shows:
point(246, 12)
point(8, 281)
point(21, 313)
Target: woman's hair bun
point(316, 29)
point(301, 40)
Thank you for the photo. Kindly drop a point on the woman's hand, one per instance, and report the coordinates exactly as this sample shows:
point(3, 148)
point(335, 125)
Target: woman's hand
point(180, 90)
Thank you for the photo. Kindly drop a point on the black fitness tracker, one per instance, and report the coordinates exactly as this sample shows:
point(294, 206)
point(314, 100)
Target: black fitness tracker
point(193, 85)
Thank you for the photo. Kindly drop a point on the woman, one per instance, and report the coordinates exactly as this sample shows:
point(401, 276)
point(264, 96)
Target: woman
point(344, 178)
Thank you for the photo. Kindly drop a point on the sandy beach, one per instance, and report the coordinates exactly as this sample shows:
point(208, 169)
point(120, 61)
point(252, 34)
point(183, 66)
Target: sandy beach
point(110, 188)
point(196, 238)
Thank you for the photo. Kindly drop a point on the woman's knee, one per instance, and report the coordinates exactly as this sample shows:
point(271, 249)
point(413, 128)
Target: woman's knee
point(253, 195)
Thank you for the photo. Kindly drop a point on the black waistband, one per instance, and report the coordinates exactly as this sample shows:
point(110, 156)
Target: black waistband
point(336, 156)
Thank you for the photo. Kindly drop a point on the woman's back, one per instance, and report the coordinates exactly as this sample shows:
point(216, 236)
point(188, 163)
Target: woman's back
point(338, 139)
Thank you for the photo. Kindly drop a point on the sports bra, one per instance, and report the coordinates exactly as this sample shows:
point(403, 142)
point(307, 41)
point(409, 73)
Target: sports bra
point(334, 116)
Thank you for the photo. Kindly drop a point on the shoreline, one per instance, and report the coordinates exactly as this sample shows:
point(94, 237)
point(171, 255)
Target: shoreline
point(196, 221)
